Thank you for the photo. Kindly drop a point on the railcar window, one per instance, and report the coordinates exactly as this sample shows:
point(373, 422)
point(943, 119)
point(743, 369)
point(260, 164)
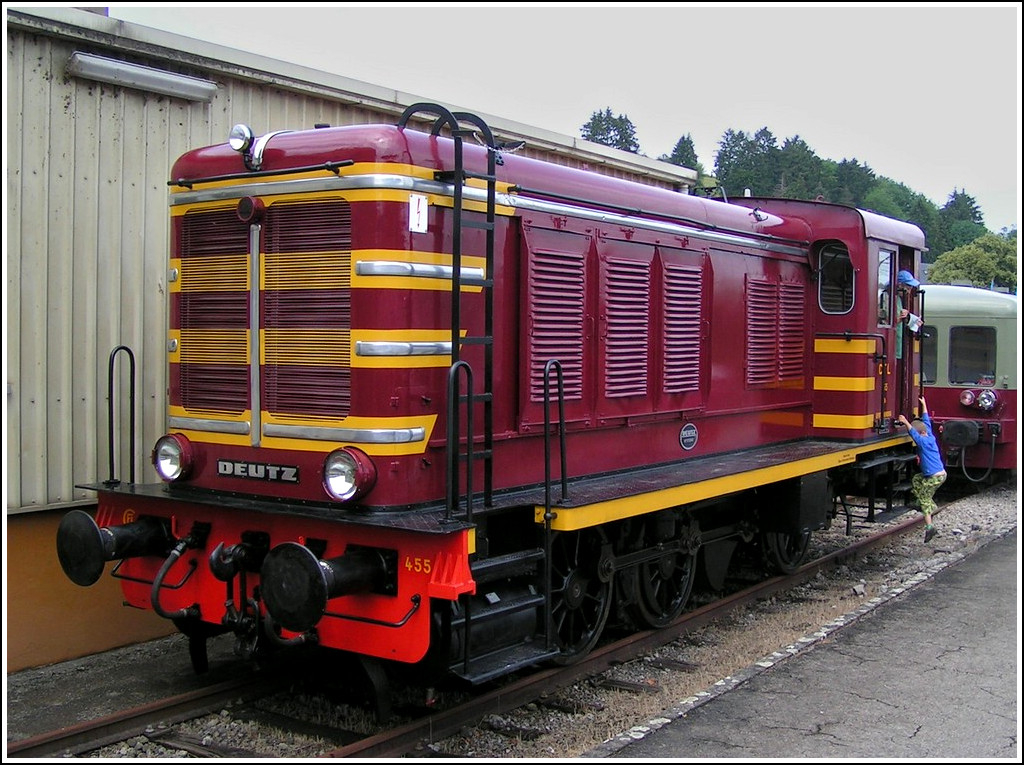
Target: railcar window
point(835, 279)
point(972, 355)
point(929, 355)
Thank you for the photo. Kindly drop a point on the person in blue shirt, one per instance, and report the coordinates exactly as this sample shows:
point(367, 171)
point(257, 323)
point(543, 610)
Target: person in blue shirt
point(933, 472)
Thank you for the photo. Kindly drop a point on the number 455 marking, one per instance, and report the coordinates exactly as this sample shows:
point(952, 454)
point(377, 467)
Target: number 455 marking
point(418, 565)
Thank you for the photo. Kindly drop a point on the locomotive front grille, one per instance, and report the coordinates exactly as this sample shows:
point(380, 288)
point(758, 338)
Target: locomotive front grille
point(293, 328)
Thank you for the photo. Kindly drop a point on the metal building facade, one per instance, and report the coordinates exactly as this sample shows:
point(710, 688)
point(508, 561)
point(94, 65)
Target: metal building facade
point(85, 270)
point(87, 223)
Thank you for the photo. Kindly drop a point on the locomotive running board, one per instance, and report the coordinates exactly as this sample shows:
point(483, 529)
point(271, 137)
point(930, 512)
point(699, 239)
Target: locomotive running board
point(606, 498)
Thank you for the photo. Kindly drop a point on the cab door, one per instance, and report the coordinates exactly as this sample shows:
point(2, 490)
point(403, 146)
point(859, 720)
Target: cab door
point(896, 304)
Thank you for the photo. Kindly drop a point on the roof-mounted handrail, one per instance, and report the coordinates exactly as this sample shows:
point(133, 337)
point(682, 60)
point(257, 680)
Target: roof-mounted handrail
point(444, 116)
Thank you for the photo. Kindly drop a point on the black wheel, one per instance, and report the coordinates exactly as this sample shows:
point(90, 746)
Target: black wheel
point(785, 552)
point(663, 588)
point(580, 600)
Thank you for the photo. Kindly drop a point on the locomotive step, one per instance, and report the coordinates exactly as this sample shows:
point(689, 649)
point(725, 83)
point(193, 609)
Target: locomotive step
point(500, 663)
point(512, 564)
point(885, 459)
point(498, 609)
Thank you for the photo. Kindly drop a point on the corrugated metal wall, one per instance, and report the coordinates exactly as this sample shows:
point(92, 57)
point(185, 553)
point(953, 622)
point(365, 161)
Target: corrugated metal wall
point(87, 231)
point(86, 257)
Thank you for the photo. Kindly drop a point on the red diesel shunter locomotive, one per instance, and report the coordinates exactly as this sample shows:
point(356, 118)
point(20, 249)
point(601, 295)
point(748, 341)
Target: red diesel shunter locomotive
point(433, 403)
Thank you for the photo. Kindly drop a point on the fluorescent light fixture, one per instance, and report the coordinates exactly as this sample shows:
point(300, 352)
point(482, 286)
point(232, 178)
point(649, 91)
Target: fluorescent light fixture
point(142, 77)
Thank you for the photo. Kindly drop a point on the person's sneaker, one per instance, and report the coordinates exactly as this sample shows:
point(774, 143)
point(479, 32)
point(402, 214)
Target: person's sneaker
point(929, 533)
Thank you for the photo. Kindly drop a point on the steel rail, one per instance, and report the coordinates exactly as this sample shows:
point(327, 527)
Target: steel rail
point(93, 734)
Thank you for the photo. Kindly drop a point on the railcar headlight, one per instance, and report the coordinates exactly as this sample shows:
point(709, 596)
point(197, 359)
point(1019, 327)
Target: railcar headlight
point(967, 397)
point(987, 399)
point(348, 474)
point(173, 457)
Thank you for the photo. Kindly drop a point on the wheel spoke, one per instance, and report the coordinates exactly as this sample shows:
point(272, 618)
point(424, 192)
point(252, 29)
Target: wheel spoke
point(785, 552)
point(663, 585)
point(581, 602)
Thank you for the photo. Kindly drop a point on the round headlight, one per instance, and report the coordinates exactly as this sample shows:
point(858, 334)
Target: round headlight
point(348, 474)
point(172, 457)
point(987, 399)
point(240, 138)
point(967, 397)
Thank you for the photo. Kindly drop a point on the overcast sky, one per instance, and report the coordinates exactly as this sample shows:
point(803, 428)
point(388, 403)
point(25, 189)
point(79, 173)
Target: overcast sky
point(928, 95)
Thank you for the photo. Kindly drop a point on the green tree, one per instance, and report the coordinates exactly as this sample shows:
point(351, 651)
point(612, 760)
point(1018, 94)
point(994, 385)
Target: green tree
point(794, 171)
point(766, 162)
point(683, 154)
point(888, 197)
point(744, 162)
point(960, 222)
point(961, 232)
point(852, 183)
point(923, 212)
point(988, 261)
point(961, 206)
point(730, 162)
point(616, 131)
point(880, 200)
point(801, 173)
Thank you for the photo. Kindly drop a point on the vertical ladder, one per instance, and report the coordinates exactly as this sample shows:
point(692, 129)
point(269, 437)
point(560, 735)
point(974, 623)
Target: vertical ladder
point(457, 177)
point(479, 666)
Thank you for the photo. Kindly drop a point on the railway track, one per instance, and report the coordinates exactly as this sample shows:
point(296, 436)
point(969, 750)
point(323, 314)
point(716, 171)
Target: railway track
point(159, 721)
point(92, 734)
point(167, 722)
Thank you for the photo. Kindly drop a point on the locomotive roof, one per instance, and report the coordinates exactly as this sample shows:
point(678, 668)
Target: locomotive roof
point(968, 302)
point(530, 177)
point(875, 226)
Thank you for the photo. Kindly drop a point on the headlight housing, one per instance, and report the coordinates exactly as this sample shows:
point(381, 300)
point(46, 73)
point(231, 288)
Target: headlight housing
point(348, 474)
point(987, 399)
point(173, 457)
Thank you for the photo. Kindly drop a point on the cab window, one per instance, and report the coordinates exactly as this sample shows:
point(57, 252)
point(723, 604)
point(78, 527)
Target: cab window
point(835, 279)
point(885, 260)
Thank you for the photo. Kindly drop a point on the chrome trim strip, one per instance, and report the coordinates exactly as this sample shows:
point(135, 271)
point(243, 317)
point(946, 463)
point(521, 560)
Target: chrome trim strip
point(425, 270)
point(382, 348)
point(470, 194)
point(211, 426)
point(351, 435)
point(254, 324)
point(310, 185)
point(616, 219)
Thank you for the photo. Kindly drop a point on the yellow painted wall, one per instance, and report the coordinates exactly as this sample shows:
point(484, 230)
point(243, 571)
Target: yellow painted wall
point(50, 619)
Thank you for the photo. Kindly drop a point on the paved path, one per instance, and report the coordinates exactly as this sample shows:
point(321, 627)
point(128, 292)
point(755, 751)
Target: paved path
point(933, 673)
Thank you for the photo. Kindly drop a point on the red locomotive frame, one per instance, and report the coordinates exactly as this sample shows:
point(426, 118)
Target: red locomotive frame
point(648, 379)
